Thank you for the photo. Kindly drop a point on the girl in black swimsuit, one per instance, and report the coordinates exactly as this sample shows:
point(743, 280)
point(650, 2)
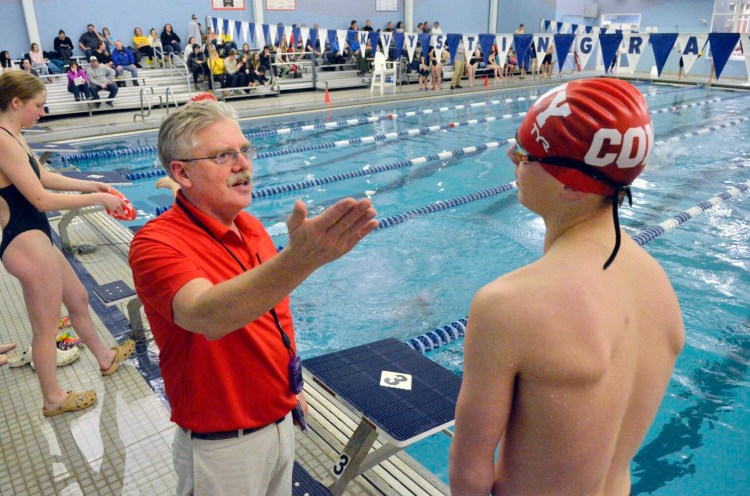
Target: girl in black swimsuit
point(26, 250)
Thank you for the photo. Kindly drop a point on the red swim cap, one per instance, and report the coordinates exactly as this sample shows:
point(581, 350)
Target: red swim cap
point(597, 131)
point(203, 96)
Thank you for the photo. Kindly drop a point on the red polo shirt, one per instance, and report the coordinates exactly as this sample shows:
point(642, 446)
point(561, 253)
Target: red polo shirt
point(235, 382)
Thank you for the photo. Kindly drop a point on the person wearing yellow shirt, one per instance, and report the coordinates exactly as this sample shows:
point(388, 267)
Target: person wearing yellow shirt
point(216, 66)
point(142, 45)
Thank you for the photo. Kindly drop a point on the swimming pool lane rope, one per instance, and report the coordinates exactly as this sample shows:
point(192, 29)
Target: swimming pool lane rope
point(143, 150)
point(447, 334)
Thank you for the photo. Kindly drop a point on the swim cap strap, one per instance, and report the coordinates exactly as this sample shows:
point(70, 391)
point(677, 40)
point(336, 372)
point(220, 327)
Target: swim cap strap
point(616, 218)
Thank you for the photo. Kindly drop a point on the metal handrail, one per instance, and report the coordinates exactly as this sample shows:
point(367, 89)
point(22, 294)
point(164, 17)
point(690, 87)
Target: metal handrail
point(145, 111)
point(166, 99)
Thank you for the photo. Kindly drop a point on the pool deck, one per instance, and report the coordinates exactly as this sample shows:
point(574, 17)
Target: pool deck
point(123, 444)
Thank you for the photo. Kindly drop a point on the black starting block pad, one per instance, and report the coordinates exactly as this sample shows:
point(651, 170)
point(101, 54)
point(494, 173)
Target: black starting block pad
point(113, 291)
point(406, 395)
point(109, 177)
point(303, 484)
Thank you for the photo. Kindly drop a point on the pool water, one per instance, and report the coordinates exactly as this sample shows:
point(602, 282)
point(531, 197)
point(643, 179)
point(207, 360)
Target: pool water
point(408, 279)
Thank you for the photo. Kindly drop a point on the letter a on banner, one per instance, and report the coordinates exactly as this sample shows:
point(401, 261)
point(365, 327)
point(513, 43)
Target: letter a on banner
point(690, 47)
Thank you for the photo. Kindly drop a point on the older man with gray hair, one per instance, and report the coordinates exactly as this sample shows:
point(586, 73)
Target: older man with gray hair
point(101, 77)
point(215, 291)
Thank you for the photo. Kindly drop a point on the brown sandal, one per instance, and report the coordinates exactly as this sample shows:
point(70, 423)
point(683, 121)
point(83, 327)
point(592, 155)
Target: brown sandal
point(122, 352)
point(76, 400)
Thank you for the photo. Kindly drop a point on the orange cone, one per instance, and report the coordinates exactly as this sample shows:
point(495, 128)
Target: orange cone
point(486, 80)
point(327, 99)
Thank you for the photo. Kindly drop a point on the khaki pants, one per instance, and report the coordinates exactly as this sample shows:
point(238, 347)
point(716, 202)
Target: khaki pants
point(258, 464)
point(458, 72)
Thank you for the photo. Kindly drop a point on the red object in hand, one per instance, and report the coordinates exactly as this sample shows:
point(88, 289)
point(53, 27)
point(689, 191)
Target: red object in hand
point(203, 96)
point(126, 212)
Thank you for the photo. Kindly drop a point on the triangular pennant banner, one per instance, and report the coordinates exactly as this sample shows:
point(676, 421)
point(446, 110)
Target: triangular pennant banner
point(238, 29)
point(289, 36)
point(452, 40)
point(374, 37)
point(522, 42)
point(225, 26)
point(278, 34)
point(503, 42)
point(351, 36)
point(470, 44)
point(410, 40)
point(438, 41)
point(746, 50)
point(245, 31)
point(559, 26)
point(341, 35)
point(563, 42)
point(304, 35)
point(574, 28)
point(722, 46)
point(609, 44)
point(297, 38)
point(486, 41)
point(585, 46)
point(385, 41)
point(546, 25)
point(215, 24)
point(398, 41)
point(542, 42)
point(691, 49)
point(363, 36)
point(313, 38)
point(266, 35)
point(602, 30)
point(662, 44)
point(331, 38)
point(635, 44)
point(588, 29)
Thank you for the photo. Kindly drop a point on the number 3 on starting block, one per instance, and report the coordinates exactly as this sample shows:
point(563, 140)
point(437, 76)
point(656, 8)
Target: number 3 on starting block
point(396, 380)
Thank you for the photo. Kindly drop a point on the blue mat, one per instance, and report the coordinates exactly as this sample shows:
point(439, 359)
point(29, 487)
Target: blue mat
point(402, 414)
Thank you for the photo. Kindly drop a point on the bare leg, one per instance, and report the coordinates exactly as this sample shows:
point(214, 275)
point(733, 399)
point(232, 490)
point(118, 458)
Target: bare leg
point(76, 300)
point(31, 259)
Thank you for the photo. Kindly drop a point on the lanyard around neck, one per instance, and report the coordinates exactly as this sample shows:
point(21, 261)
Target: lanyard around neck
point(284, 337)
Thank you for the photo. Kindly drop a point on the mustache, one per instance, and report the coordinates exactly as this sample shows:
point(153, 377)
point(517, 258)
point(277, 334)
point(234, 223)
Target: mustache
point(239, 177)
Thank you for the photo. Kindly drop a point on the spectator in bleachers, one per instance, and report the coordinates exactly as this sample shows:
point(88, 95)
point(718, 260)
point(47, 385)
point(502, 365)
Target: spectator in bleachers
point(436, 28)
point(459, 65)
point(209, 38)
point(400, 27)
point(40, 62)
point(246, 50)
point(103, 56)
point(142, 45)
point(216, 66)
point(420, 28)
point(225, 43)
point(283, 67)
point(107, 39)
point(426, 27)
point(368, 26)
point(5, 61)
point(170, 41)
point(493, 63)
point(360, 56)
point(233, 74)
point(266, 59)
point(26, 66)
point(89, 40)
point(354, 26)
point(155, 41)
point(78, 82)
point(244, 67)
point(101, 77)
point(259, 71)
point(194, 31)
point(196, 63)
point(64, 46)
point(124, 60)
point(189, 48)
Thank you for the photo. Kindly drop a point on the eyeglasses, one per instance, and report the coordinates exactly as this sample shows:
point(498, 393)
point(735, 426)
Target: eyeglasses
point(227, 158)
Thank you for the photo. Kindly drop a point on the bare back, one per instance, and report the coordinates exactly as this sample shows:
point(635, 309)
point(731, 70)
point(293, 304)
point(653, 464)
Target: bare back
point(593, 373)
point(565, 368)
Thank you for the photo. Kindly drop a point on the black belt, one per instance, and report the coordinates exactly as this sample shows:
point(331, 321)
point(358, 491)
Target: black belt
point(222, 435)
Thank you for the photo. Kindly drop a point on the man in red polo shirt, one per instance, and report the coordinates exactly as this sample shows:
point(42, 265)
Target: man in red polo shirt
point(216, 296)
